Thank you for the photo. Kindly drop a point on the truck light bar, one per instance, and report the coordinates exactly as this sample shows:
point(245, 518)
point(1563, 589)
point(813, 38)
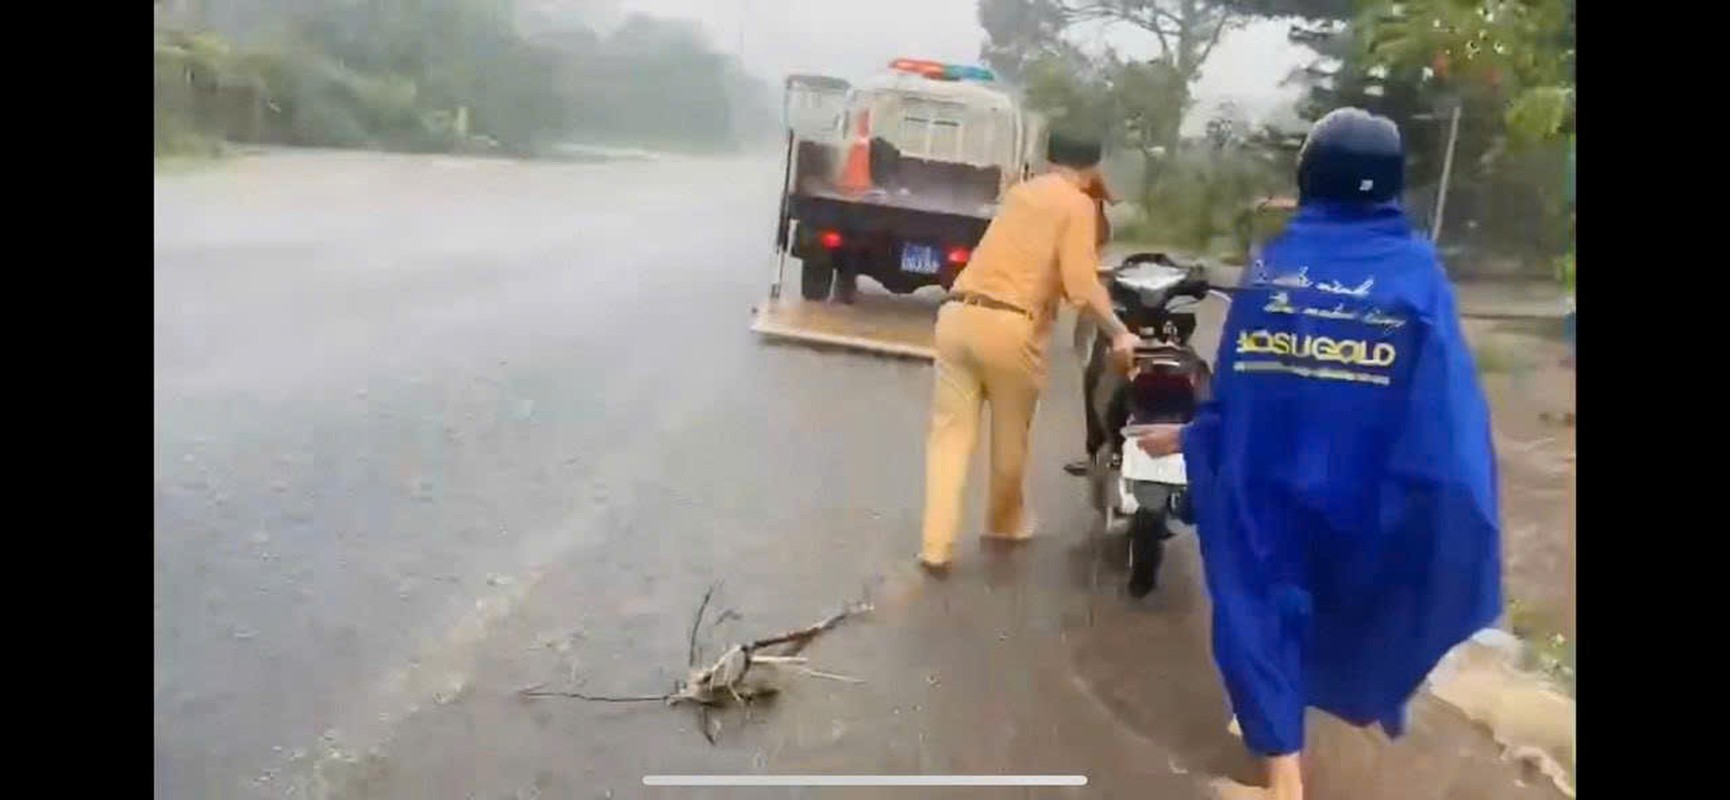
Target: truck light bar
point(929, 69)
point(942, 72)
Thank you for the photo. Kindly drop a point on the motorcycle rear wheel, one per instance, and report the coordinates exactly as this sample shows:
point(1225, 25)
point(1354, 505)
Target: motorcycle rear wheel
point(1102, 488)
point(1148, 530)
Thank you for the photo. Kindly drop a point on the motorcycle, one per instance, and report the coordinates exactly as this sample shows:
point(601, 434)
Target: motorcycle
point(1169, 381)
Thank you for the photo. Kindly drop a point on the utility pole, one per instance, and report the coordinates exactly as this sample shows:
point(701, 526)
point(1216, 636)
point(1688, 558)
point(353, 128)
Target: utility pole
point(1447, 170)
point(742, 12)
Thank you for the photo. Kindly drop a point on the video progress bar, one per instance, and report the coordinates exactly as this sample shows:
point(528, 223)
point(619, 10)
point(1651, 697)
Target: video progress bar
point(865, 780)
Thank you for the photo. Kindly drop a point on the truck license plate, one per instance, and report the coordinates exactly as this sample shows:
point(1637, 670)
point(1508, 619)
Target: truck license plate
point(920, 259)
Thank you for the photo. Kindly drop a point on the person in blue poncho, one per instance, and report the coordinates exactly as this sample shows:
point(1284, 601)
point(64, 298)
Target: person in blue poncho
point(1343, 475)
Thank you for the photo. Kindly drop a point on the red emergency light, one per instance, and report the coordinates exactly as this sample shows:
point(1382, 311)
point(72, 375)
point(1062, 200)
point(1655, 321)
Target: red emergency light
point(959, 255)
point(918, 66)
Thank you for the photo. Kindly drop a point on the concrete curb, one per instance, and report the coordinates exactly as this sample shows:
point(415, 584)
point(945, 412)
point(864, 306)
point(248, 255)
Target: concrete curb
point(1528, 715)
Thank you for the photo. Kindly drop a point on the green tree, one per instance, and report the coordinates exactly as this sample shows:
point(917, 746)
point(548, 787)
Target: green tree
point(656, 80)
point(1149, 98)
point(1344, 74)
point(1073, 89)
point(448, 74)
point(1187, 32)
point(1131, 102)
point(1515, 60)
point(1313, 10)
point(1022, 34)
point(1522, 48)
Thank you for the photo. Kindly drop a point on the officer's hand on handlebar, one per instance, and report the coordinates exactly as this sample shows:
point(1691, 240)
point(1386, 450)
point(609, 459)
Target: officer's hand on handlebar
point(1123, 350)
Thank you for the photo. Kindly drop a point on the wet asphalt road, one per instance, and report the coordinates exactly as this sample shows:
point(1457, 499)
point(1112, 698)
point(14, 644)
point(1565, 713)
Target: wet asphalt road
point(430, 430)
point(389, 389)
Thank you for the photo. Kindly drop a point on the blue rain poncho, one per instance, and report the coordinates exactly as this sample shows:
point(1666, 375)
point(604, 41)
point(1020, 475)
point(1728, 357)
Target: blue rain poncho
point(1344, 478)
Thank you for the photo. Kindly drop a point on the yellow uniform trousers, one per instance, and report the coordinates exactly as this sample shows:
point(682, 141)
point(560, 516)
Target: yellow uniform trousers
point(984, 356)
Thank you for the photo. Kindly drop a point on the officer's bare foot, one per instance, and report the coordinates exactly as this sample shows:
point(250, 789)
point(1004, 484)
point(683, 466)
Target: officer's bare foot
point(1285, 778)
point(1026, 532)
point(934, 568)
point(1224, 789)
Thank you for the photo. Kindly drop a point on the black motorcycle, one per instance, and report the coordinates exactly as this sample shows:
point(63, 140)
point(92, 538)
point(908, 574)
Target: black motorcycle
point(1155, 297)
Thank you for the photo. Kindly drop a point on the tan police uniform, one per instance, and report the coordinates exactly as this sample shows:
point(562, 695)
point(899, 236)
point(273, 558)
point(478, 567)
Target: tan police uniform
point(991, 339)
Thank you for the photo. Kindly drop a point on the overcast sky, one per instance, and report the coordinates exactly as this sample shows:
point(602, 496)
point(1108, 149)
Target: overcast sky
point(853, 39)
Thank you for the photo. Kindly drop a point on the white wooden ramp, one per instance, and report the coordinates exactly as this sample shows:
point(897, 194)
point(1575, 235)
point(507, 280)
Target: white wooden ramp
point(878, 322)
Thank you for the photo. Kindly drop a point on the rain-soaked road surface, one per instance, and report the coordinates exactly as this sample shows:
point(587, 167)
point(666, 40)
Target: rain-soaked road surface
point(431, 430)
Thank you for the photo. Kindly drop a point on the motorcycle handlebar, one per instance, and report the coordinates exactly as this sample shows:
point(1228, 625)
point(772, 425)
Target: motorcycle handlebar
point(1197, 286)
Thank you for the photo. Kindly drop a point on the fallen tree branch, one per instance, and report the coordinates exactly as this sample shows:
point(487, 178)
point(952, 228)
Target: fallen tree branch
point(536, 691)
point(731, 679)
point(827, 675)
point(691, 657)
point(802, 637)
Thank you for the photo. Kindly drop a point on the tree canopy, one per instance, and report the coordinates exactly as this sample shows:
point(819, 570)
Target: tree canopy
point(454, 74)
point(1145, 100)
point(1522, 48)
point(1508, 64)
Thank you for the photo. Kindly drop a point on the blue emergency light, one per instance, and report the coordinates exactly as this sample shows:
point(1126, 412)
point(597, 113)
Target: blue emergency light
point(962, 72)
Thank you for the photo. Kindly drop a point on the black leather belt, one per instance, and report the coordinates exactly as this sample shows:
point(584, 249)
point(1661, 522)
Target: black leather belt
point(971, 299)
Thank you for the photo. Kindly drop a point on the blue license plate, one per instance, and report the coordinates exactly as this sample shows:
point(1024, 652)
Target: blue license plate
point(920, 259)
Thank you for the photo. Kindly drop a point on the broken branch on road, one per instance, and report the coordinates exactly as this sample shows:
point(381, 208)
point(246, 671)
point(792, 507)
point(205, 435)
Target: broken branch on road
point(743, 673)
point(691, 657)
point(536, 691)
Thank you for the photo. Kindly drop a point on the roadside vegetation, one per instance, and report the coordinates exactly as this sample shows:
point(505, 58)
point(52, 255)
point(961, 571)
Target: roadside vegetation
point(1506, 64)
point(1546, 652)
point(441, 76)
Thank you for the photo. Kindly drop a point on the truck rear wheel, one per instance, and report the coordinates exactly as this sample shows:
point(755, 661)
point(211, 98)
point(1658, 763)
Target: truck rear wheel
point(815, 277)
point(847, 286)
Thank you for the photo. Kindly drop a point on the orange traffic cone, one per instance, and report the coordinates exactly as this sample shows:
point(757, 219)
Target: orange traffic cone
point(856, 173)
